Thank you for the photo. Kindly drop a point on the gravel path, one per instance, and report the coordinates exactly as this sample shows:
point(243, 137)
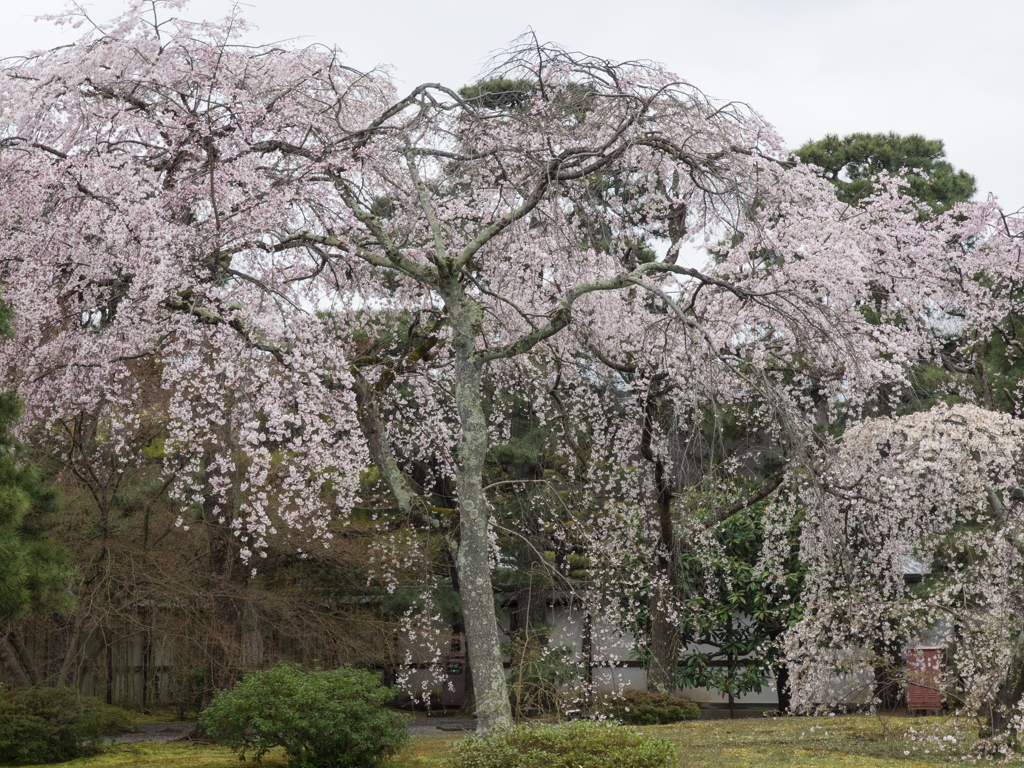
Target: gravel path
point(424, 725)
point(156, 732)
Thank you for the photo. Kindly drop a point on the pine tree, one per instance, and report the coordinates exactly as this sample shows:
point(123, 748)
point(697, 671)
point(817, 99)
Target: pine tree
point(33, 571)
point(851, 163)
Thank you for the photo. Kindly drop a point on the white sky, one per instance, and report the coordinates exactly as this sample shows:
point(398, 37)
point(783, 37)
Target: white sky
point(948, 70)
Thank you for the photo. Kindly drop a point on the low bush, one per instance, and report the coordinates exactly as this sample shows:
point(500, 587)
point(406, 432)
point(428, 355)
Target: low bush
point(643, 708)
point(582, 744)
point(323, 719)
point(52, 725)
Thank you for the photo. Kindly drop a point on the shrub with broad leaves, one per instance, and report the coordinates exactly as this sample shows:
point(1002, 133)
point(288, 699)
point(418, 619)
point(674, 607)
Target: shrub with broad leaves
point(53, 725)
point(323, 719)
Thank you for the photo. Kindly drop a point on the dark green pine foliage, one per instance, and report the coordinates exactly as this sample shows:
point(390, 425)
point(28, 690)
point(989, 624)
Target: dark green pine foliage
point(498, 93)
point(33, 572)
point(851, 163)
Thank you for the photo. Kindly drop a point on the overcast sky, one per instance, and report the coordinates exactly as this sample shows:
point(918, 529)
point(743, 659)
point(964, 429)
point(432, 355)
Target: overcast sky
point(948, 70)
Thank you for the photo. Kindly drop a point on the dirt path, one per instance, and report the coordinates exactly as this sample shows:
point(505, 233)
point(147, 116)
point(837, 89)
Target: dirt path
point(179, 730)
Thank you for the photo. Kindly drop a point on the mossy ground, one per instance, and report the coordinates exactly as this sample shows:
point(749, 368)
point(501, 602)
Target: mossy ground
point(790, 742)
point(160, 714)
point(832, 742)
point(149, 754)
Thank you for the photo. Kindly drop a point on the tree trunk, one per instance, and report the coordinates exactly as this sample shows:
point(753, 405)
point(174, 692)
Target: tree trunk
point(588, 660)
point(9, 657)
point(60, 649)
point(467, 537)
point(69, 670)
point(110, 668)
point(888, 682)
point(731, 660)
point(782, 686)
point(227, 581)
point(662, 674)
point(26, 657)
point(468, 706)
point(472, 561)
point(1010, 692)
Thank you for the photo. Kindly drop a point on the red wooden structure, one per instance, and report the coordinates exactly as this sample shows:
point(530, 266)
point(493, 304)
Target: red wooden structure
point(926, 669)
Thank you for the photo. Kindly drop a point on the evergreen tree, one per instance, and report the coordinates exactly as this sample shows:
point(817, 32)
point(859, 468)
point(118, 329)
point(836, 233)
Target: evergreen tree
point(33, 571)
point(851, 163)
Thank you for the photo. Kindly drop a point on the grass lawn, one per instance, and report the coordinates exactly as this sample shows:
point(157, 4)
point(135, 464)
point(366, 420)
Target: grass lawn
point(843, 742)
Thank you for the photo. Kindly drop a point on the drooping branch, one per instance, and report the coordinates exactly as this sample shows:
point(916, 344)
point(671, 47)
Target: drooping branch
point(560, 318)
point(762, 493)
point(409, 498)
point(208, 317)
point(553, 172)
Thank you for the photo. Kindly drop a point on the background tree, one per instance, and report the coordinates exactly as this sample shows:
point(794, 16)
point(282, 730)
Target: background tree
point(852, 162)
point(963, 361)
point(738, 615)
point(941, 488)
point(34, 572)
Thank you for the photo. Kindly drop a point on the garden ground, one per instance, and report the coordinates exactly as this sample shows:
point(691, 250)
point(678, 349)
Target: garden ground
point(843, 742)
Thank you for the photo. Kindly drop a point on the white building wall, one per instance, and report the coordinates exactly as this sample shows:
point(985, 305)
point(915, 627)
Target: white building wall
point(612, 650)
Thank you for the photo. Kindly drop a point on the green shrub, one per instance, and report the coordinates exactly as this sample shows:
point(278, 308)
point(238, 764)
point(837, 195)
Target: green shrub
point(51, 725)
point(323, 719)
point(643, 708)
point(582, 744)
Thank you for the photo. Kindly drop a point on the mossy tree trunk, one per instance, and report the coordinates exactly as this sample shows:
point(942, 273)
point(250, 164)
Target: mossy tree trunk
point(472, 559)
